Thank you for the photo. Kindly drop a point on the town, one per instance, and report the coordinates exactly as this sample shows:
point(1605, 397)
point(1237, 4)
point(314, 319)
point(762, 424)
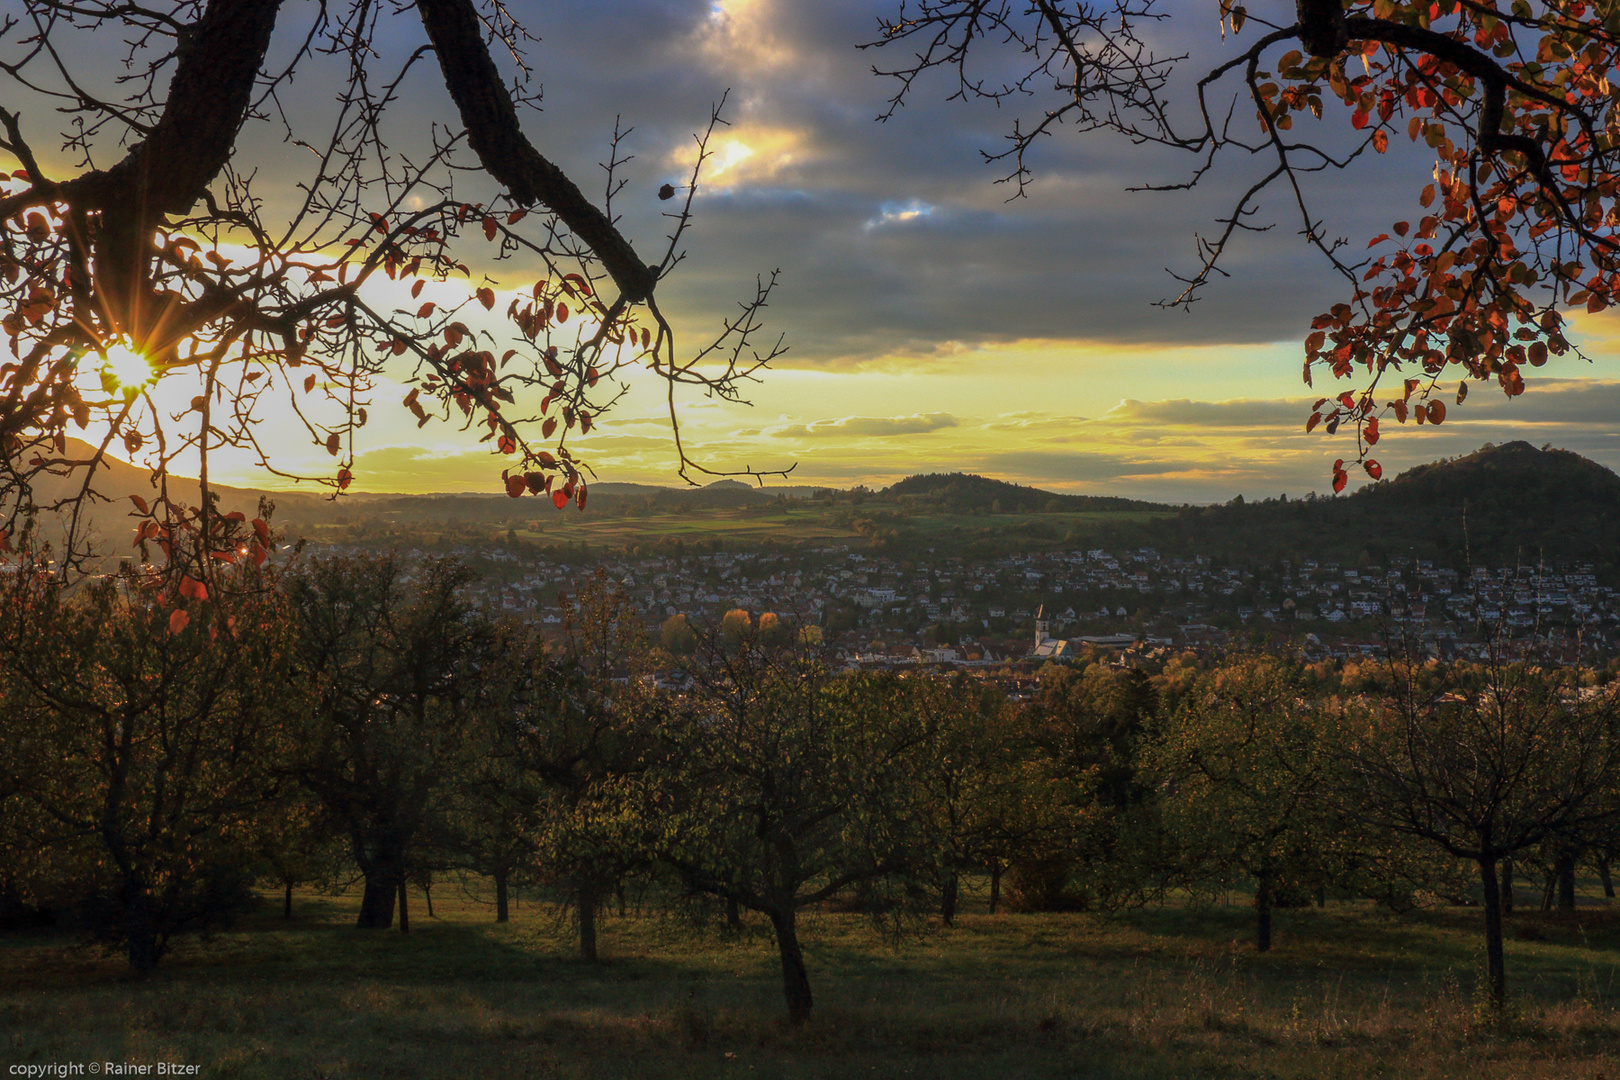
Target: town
point(892, 610)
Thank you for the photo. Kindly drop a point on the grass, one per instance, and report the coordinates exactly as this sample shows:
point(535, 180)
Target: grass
point(1160, 993)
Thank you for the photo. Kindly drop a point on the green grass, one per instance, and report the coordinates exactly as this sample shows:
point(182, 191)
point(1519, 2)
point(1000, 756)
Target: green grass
point(1159, 993)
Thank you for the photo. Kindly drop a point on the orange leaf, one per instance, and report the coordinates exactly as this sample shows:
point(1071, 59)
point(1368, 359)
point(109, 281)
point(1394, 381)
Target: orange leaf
point(178, 621)
point(140, 504)
point(515, 486)
point(487, 298)
point(309, 384)
point(1437, 412)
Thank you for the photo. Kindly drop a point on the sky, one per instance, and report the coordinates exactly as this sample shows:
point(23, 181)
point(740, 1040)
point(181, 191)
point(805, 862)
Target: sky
point(931, 324)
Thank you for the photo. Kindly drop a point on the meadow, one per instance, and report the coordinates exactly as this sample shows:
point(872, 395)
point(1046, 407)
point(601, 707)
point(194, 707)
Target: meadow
point(1348, 991)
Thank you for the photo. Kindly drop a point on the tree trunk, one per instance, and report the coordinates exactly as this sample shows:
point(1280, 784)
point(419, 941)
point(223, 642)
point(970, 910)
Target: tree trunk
point(587, 901)
point(1495, 975)
point(404, 910)
point(286, 901)
point(377, 903)
point(427, 895)
point(1262, 912)
point(733, 915)
point(1603, 876)
point(947, 904)
point(995, 886)
point(1565, 872)
point(500, 896)
point(1321, 896)
point(1507, 886)
point(142, 934)
point(795, 979)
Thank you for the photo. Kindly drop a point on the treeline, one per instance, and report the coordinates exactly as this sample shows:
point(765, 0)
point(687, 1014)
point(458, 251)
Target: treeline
point(168, 750)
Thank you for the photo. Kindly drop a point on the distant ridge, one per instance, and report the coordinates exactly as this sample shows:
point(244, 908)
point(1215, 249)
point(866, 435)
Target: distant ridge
point(1507, 505)
point(969, 491)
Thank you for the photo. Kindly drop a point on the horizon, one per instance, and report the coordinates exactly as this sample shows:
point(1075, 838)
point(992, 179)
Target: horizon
point(931, 324)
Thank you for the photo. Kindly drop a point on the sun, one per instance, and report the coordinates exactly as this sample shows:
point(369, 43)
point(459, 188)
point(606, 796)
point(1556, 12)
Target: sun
point(128, 368)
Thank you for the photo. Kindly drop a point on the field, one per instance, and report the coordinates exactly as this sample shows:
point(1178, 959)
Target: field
point(1348, 991)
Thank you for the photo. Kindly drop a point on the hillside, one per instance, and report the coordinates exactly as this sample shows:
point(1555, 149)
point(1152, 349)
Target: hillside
point(1500, 506)
point(969, 492)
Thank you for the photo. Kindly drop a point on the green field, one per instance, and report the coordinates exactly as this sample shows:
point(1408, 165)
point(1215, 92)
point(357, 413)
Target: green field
point(907, 529)
point(1348, 991)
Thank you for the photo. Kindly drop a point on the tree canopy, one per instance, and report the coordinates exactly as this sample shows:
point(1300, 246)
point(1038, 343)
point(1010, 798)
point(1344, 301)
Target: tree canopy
point(1512, 98)
point(161, 257)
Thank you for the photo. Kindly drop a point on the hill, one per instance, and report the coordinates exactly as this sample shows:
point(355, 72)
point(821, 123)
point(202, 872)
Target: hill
point(1505, 505)
point(969, 492)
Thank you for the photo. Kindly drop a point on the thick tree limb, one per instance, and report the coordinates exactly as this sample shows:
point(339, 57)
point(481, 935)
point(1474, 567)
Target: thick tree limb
point(506, 153)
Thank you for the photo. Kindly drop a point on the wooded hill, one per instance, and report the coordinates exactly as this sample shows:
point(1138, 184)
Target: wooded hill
point(1505, 505)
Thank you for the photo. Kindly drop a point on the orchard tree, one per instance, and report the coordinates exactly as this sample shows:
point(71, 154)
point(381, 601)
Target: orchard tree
point(584, 722)
point(1497, 763)
point(783, 787)
point(145, 733)
point(1239, 764)
point(148, 256)
point(1513, 99)
point(394, 663)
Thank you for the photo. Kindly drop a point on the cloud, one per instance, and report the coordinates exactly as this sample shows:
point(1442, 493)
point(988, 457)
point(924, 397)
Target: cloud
point(865, 426)
point(1208, 415)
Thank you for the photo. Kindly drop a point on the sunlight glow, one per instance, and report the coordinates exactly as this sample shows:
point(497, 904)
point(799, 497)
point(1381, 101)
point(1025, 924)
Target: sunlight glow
point(128, 368)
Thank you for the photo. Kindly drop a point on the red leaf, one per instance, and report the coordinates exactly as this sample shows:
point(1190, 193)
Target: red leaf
point(562, 312)
point(334, 443)
point(178, 621)
point(579, 497)
point(506, 444)
point(487, 298)
point(140, 504)
point(1370, 432)
point(1374, 470)
point(416, 290)
point(559, 499)
point(489, 228)
point(585, 422)
point(1359, 119)
point(309, 384)
point(515, 486)
point(516, 216)
point(344, 478)
point(1340, 478)
point(1310, 425)
point(548, 427)
point(1380, 140)
point(425, 310)
point(1437, 412)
